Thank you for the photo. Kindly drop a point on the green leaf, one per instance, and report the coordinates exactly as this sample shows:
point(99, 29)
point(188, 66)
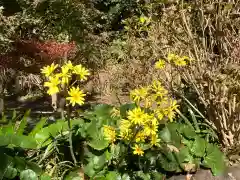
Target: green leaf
point(168, 162)
point(45, 177)
point(214, 160)
point(198, 147)
point(6, 161)
point(33, 166)
point(115, 151)
point(103, 116)
point(126, 107)
point(27, 142)
point(10, 173)
point(194, 119)
point(165, 135)
point(157, 176)
point(175, 136)
point(74, 175)
point(184, 155)
point(42, 136)
point(89, 169)
point(8, 129)
point(92, 129)
point(102, 110)
point(99, 142)
point(5, 140)
point(98, 161)
point(23, 123)
point(20, 163)
point(99, 177)
point(125, 177)
point(18, 141)
point(187, 142)
point(4, 118)
point(28, 175)
point(38, 126)
point(14, 115)
point(143, 176)
point(188, 132)
point(22, 141)
point(113, 175)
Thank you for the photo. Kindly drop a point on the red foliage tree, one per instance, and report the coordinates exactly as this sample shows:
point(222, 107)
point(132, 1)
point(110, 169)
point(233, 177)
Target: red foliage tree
point(42, 53)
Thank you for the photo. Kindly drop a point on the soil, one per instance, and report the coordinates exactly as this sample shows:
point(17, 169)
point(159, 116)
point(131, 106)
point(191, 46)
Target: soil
point(232, 173)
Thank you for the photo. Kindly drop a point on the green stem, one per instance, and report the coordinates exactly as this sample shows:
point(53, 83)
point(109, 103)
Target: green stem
point(70, 136)
point(69, 127)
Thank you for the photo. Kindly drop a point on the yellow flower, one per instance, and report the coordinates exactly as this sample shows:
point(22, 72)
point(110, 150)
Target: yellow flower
point(109, 133)
point(174, 105)
point(142, 19)
point(171, 115)
point(147, 102)
point(126, 135)
point(148, 117)
point(180, 62)
point(155, 140)
point(150, 129)
point(115, 112)
point(53, 90)
point(159, 114)
point(64, 75)
point(177, 60)
point(170, 109)
point(172, 57)
point(138, 150)
point(140, 137)
point(138, 94)
point(158, 89)
point(154, 121)
point(81, 71)
point(76, 96)
point(125, 124)
point(48, 70)
point(65, 69)
point(137, 116)
point(69, 65)
point(52, 85)
point(125, 131)
point(160, 64)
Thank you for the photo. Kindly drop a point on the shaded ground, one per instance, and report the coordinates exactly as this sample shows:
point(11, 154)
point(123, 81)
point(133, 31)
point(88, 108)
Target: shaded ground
point(41, 105)
point(232, 173)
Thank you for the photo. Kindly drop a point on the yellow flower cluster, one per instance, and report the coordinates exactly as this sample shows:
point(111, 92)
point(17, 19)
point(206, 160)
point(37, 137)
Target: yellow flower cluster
point(178, 60)
point(140, 127)
point(141, 124)
point(58, 78)
point(173, 58)
point(110, 133)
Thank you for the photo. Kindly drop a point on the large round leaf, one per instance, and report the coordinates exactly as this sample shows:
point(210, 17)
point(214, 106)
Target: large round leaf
point(28, 175)
point(10, 173)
